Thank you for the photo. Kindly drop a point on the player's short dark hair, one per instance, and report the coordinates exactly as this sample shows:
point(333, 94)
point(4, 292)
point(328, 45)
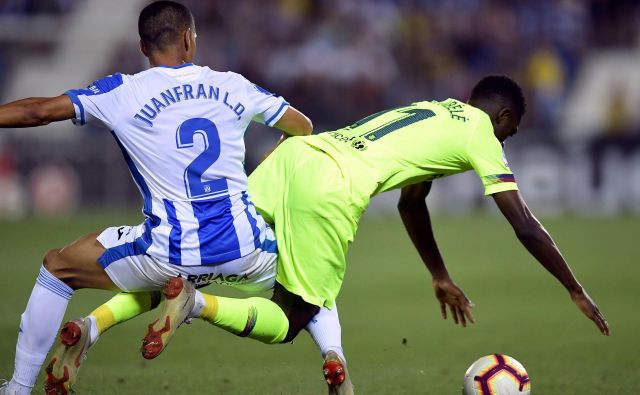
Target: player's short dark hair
point(161, 23)
point(500, 87)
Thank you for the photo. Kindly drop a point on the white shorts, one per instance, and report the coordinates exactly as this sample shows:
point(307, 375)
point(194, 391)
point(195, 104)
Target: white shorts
point(252, 273)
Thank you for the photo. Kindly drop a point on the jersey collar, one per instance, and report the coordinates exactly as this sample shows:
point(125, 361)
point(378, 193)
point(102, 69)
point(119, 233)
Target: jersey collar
point(176, 67)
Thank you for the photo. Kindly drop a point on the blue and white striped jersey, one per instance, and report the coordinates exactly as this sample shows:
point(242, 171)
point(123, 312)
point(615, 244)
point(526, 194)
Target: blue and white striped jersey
point(181, 130)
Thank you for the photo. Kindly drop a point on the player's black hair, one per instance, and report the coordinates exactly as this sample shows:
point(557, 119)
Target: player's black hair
point(500, 87)
point(161, 23)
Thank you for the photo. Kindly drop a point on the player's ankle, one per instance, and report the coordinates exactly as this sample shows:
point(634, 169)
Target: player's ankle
point(94, 332)
point(335, 349)
point(198, 305)
point(13, 387)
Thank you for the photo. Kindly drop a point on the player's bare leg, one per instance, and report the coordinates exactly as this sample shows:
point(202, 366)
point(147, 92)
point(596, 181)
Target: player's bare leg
point(299, 313)
point(77, 264)
point(63, 271)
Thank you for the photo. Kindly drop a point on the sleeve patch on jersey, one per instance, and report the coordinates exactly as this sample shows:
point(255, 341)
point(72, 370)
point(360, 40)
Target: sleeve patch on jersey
point(498, 178)
point(106, 84)
point(103, 85)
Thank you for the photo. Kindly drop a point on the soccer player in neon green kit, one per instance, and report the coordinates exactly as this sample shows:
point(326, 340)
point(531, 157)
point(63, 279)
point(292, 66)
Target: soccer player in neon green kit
point(314, 189)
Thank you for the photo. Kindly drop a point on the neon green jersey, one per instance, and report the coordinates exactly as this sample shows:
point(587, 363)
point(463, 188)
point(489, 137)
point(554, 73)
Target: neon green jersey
point(420, 142)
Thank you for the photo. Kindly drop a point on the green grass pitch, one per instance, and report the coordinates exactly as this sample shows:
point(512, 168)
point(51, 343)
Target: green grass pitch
point(393, 334)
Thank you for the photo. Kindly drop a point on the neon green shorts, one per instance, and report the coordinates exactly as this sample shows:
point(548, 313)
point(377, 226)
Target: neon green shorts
point(302, 192)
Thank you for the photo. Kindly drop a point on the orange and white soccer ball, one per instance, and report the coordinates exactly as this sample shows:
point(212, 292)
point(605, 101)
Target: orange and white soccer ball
point(496, 374)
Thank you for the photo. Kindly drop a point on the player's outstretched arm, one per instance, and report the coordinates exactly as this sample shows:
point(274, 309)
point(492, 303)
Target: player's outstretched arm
point(540, 244)
point(36, 111)
point(415, 217)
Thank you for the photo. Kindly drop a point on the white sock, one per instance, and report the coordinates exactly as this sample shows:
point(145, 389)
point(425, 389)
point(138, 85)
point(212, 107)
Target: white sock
point(39, 326)
point(198, 305)
point(14, 388)
point(326, 332)
point(94, 334)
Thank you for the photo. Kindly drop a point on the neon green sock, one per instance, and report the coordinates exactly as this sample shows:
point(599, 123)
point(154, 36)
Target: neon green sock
point(257, 318)
point(123, 307)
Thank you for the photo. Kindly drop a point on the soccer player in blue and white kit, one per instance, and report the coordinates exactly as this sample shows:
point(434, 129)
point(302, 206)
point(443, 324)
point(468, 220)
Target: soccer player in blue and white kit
point(180, 127)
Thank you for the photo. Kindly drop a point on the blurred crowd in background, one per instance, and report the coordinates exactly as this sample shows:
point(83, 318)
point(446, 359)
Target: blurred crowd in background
point(339, 60)
point(342, 59)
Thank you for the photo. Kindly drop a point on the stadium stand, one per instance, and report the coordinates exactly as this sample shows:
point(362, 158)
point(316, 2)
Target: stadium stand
point(341, 60)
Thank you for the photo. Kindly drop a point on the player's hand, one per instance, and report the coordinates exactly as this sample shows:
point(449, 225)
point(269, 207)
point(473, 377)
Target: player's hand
point(589, 308)
point(449, 294)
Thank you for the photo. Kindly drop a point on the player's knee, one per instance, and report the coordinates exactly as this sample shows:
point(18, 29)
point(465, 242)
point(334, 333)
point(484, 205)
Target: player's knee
point(291, 334)
point(55, 264)
point(51, 260)
point(298, 318)
point(298, 311)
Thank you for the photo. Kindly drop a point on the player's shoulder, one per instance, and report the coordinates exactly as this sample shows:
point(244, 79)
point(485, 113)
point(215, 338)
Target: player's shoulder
point(231, 79)
point(239, 79)
point(479, 115)
point(482, 135)
point(221, 75)
point(479, 122)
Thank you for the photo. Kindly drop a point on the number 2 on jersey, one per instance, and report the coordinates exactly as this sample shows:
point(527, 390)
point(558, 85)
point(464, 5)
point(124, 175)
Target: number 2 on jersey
point(196, 188)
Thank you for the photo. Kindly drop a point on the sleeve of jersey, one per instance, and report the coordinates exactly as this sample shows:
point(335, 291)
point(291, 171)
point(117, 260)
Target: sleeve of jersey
point(488, 161)
point(97, 102)
point(269, 108)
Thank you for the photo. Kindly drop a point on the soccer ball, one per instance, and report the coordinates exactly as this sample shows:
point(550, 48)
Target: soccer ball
point(496, 374)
